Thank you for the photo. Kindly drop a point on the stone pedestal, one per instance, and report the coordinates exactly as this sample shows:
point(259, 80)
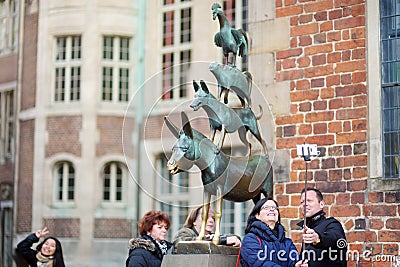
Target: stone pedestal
point(201, 254)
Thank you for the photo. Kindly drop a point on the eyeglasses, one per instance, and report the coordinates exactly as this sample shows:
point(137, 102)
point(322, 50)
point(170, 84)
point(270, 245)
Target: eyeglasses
point(270, 207)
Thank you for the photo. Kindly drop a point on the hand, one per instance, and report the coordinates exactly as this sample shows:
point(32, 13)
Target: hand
point(301, 263)
point(233, 240)
point(42, 232)
point(310, 236)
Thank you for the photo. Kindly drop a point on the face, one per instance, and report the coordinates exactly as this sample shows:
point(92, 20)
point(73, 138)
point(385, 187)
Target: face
point(268, 213)
point(313, 205)
point(159, 231)
point(209, 224)
point(49, 247)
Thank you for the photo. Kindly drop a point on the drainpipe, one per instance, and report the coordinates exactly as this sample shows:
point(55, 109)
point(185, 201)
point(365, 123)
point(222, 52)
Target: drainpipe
point(18, 104)
point(140, 98)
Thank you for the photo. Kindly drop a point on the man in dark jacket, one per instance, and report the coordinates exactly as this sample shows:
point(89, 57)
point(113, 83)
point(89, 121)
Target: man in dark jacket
point(324, 238)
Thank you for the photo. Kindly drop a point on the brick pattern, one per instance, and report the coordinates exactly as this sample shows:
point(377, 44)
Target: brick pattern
point(326, 67)
point(25, 180)
point(63, 227)
point(113, 228)
point(63, 135)
point(110, 129)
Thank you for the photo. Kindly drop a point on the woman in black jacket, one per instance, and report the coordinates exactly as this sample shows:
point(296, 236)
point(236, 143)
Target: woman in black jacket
point(149, 249)
point(48, 253)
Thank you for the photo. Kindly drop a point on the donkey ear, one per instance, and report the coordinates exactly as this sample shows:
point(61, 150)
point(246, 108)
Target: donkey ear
point(195, 86)
point(187, 128)
point(204, 86)
point(174, 130)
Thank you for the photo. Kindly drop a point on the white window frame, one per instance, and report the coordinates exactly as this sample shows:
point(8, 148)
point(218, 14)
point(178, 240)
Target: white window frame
point(116, 65)
point(7, 122)
point(65, 165)
point(113, 183)
point(180, 69)
point(9, 16)
point(68, 65)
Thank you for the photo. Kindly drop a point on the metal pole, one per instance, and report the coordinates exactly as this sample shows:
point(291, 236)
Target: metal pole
point(139, 97)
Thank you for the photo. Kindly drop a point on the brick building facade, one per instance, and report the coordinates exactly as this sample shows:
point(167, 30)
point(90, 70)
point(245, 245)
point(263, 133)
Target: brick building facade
point(317, 64)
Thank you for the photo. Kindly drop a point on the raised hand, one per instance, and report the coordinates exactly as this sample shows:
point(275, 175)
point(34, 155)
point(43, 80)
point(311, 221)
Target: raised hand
point(42, 232)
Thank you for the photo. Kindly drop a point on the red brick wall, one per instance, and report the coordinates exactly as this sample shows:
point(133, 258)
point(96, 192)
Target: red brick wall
point(25, 179)
point(8, 71)
point(63, 227)
point(113, 228)
point(28, 94)
point(326, 67)
point(110, 129)
point(63, 135)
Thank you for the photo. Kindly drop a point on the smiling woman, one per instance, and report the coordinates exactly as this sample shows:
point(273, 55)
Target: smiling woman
point(48, 253)
point(149, 249)
point(265, 243)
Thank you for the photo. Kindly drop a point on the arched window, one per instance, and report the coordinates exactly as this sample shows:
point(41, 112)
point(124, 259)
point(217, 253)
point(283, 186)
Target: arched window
point(113, 174)
point(65, 182)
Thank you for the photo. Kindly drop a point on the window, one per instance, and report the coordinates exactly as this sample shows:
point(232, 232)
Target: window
point(65, 182)
point(173, 194)
point(236, 13)
point(113, 176)
point(176, 48)
point(67, 73)
point(6, 125)
point(390, 86)
point(234, 217)
point(8, 26)
point(115, 69)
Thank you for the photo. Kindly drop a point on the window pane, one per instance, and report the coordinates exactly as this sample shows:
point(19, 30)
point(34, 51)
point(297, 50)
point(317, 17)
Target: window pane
point(108, 46)
point(76, 47)
point(167, 74)
point(168, 28)
point(107, 83)
point(124, 49)
point(184, 68)
point(71, 182)
point(60, 183)
point(61, 48)
point(390, 56)
point(75, 83)
point(59, 85)
point(185, 25)
point(123, 84)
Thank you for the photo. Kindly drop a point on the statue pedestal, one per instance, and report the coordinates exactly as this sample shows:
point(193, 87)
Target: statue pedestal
point(201, 254)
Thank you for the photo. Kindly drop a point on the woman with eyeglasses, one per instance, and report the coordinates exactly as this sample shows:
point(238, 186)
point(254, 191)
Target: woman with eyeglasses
point(149, 249)
point(265, 243)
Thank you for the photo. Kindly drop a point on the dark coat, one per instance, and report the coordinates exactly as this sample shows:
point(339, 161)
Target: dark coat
point(261, 247)
point(331, 234)
point(144, 252)
point(24, 248)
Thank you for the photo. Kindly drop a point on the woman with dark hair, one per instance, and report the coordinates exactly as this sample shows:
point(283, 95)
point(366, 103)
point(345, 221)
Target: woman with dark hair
point(149, 249)
point(191, 228)
point(265, 243)
point(48, 253)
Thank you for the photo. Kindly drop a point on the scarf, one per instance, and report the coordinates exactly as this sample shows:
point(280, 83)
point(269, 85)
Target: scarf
point(43, 261)
point(163, 246)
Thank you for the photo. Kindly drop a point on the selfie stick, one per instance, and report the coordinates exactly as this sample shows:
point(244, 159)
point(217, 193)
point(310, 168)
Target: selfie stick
point(306, 151)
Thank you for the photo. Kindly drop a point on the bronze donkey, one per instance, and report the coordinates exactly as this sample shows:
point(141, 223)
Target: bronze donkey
point(236, 179)
point(226, 119)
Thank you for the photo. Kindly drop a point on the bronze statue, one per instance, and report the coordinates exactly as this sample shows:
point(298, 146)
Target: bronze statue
point(232, 178)
point(226, 119)
point(227, 177)
point(230, 78)
point(230, 39)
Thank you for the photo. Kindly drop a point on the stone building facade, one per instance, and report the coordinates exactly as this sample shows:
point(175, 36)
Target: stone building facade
point(92, 80)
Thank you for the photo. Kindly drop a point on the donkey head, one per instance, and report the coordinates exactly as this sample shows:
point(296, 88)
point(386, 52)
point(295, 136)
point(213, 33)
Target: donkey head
point(183, 151)
point(202, 95)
